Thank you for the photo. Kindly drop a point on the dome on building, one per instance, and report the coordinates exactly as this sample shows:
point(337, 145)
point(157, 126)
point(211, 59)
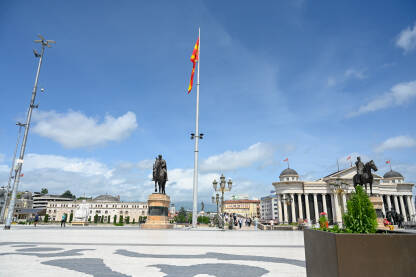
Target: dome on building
point(107, 198)
point(289, 172)
point(392, 174)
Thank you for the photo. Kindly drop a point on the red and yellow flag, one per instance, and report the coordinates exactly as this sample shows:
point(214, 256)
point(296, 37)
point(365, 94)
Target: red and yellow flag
point(194, 59)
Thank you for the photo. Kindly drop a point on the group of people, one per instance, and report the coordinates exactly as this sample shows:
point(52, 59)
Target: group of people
point(239, 221)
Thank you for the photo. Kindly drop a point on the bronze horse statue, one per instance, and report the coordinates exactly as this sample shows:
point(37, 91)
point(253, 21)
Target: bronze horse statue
point(160, 175)
point(366, 177)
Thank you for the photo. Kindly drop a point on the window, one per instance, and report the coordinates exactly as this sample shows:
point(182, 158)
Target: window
point(106, 212)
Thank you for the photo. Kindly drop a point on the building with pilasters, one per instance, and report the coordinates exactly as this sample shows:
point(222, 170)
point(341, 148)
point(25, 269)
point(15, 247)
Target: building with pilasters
point(299, 199)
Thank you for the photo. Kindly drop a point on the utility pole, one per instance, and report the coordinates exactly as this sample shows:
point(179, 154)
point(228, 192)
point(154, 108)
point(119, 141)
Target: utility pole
point(19, 164)
point(6, 197)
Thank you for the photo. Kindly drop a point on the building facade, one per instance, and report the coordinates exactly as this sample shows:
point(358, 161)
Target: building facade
point(109, 209)
point(305, 200)
point(269, 208)
point(244, 207)
point(40, 201)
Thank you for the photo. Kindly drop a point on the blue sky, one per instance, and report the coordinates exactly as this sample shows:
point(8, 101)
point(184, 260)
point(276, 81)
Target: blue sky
point(314, 82)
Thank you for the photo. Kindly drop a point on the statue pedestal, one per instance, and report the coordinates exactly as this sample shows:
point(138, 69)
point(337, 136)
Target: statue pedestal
point(377, 202)
point(157, 215)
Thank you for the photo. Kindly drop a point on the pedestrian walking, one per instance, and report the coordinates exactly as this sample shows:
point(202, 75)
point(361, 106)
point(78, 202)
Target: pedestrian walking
point(36, 220)
point(240, 222)
point(63, 220)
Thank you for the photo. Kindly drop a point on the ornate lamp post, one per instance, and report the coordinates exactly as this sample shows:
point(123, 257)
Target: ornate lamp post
point(222, 188)
point(216, 200)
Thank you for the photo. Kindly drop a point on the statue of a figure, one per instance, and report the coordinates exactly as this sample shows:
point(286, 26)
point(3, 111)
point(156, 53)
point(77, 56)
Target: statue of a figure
point(160, 174)
point(364, 175)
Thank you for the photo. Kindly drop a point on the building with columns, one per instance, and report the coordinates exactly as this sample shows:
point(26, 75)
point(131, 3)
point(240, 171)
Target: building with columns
point(299, 199)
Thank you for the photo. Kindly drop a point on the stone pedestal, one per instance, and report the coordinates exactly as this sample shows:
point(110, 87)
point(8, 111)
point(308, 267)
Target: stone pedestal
point(157, 215)
point(377, 202)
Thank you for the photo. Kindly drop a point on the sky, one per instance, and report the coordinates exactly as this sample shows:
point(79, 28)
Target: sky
point(314, 82)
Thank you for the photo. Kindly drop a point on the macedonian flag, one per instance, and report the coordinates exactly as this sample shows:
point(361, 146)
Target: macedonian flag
point(194, 59)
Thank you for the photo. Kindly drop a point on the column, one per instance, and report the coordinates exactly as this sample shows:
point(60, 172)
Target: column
point(334, 214)
point(324, 204)
point(285, 210)
point(308, 215)
point(388, 202)
point(413, 205)
point(315, 205)
point(403, 207)
point(396, 204)
point(409, 204)
point(300, 205)
point(279, 207)
point(344, 201)
point(382, 206)
point(293, 208)
point(336, 206)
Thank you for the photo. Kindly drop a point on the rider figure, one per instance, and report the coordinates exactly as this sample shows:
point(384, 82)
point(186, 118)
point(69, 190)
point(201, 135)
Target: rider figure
point(160, 164)
point(360, 167)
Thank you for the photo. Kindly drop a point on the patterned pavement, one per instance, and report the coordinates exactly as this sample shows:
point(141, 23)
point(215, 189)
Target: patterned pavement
point(129, 251)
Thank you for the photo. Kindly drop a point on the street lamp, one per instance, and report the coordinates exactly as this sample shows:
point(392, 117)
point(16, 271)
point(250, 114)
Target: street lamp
point(215, 200)
point(44, 43)
point(222, 188)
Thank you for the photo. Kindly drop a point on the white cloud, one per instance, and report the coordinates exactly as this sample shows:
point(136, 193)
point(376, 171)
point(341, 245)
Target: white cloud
point(74, 129)
point(87, 167)
point(395, 143)
point(398, 95)
point(231, 160)
point(331, 82)
point(407, 39)
point(353, 73)
point(145, 164)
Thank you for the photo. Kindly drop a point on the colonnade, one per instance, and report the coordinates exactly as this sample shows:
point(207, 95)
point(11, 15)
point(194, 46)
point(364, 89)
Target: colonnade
point(294, 205)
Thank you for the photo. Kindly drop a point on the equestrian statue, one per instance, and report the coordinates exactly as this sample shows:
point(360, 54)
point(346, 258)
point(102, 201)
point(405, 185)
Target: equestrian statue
point(160, 174)
point(364, 175)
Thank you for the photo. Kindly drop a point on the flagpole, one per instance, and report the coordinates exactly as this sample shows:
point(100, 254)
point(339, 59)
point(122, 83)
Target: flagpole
point(195, 188)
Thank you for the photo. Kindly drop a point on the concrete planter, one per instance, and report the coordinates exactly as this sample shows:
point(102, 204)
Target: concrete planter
point(358, 255)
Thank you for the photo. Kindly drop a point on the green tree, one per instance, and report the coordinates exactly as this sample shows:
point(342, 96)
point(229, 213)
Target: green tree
point(120, 220)
point(96, 218)
point(361, 216)
point(128, 220)
point(102, 219)
point(68, 194)
point(44, 191)
point(134, 220)
point(181, 217)
point(115, 219)
point(71, 216)
point(46, 219)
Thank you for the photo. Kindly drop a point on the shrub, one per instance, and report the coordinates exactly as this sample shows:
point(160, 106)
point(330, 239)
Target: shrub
point(46, 219)
point(120, 219)
point(134, 220)
point(102, 219)
point(115, 219)
point(96, 218)
point(203, 220)
point(118, 224)
point(128, 220)
point(361, 216)
point(71, 216)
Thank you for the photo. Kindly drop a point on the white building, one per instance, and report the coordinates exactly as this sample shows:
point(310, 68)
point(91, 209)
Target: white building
point(108, 209)
point(298, 199)
point(269, 207)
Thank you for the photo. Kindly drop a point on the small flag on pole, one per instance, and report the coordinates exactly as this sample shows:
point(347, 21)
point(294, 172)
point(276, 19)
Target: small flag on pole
point(387, 162)
point(194, 59)
point(286, 160)
point(21, 175)
point(348, 158)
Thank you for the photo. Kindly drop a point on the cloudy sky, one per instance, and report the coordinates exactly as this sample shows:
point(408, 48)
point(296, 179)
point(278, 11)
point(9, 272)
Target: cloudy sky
point(314, 82)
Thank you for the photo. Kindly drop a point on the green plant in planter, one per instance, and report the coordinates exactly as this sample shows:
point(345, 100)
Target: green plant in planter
point(361, 216)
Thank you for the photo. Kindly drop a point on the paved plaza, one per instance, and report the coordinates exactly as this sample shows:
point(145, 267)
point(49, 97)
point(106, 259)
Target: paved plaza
point(129, 251)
